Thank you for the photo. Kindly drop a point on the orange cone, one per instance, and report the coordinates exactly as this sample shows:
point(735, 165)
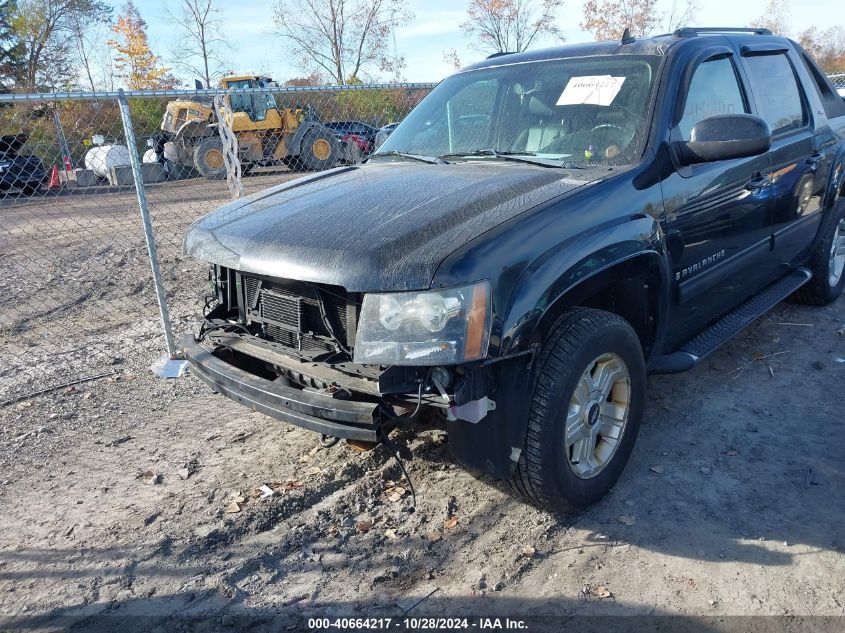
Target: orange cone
point(54, 183)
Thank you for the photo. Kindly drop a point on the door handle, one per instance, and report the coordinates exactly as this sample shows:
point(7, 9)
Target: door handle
point(813, 161)
point(757, 183)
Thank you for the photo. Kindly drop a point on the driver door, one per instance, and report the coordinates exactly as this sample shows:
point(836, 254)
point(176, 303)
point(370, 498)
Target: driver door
point(718, 223)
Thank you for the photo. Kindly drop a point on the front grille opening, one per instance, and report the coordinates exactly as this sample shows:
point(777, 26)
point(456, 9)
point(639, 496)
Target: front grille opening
point(288, 312)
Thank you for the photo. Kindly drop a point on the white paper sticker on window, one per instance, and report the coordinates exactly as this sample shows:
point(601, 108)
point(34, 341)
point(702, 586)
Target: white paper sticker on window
point(591, 89)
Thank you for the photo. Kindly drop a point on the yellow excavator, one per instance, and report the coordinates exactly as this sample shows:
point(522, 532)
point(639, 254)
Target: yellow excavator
point(266, 134)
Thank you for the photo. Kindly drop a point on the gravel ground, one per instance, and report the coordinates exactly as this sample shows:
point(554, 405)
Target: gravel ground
point(135, 495)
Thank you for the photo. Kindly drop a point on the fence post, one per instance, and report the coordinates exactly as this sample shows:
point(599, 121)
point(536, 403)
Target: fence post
point(147, 224)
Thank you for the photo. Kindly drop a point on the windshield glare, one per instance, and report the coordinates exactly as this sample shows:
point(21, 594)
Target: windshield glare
point(580, 110)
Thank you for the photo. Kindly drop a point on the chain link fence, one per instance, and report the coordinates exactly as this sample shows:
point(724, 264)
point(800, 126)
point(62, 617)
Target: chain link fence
point(92, 276)
point(78, 237)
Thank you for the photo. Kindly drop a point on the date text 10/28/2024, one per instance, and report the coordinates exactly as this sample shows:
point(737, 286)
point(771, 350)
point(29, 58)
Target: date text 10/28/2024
point(417, 624)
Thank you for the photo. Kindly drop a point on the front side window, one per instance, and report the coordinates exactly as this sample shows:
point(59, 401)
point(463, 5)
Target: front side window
point(777, 91)
point(714, 90)
point(584, 110)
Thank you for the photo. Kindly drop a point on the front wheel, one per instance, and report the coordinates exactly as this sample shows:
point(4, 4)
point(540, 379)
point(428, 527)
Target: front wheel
point(208, 159)
point(588, 393)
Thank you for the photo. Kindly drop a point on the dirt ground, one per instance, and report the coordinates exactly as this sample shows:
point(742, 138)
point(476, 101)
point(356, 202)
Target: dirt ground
point(732, 505)
point(135, 495)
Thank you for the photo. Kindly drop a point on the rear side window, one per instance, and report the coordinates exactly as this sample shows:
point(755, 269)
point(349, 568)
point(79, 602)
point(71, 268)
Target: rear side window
point(714, 90)
point(834, 105)
point(778, 95)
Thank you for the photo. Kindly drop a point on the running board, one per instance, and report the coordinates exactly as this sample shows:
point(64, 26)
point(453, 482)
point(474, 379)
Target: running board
point(705, 343)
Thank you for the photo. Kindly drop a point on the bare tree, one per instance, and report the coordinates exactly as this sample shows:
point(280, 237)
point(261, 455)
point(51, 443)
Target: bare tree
point(510, 26)
point(87, 34)
point(826, 47)
point(45, 29)
point(198, 50)
point(776, 17)
point(681, 14)
point(608, 19)
point(342, 38)
point(451, 58)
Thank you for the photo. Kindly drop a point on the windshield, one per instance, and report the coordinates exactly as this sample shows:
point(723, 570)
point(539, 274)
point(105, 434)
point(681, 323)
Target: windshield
point(579, 110)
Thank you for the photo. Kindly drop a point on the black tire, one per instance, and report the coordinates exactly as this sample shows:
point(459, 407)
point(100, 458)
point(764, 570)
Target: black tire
point(543, 475)
point(208, 158)
point(819, 291)
point(319, 150)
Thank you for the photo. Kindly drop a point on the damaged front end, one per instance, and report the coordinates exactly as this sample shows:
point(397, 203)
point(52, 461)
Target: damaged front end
point(293, 350)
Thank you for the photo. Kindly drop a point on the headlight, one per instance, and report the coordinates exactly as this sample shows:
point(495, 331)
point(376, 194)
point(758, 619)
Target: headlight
point(436, 327)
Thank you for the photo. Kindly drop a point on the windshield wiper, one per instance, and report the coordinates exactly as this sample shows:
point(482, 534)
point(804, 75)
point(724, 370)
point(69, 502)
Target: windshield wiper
point(517, 157)
point(432, 160)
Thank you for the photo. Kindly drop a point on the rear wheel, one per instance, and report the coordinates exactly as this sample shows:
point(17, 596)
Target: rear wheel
point(208, 158)
point(827, 262)
point(319, 150)
point(587, 401)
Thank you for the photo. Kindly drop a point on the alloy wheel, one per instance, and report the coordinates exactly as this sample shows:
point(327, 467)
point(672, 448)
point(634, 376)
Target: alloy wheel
point(597, 415)
point(837, 254)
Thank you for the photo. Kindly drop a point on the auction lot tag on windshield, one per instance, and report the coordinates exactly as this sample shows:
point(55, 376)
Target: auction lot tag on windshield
point(591, 89)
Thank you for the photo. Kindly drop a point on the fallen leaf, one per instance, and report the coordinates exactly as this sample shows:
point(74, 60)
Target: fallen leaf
point(150, 478)
point(434, 536)
point(529, 551)
point(657, 469)
point(287, 486)
point(601, 592)
point(628, 519)
point(364, 525)
point(237, 497)
point(304, 459)
point(314, 470)
point(450, 523)
point(390, 533)
point(233, 507)
point(758, 355)
point(395, 493)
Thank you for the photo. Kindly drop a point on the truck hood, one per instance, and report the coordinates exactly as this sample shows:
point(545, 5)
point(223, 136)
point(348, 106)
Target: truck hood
point(385, 225)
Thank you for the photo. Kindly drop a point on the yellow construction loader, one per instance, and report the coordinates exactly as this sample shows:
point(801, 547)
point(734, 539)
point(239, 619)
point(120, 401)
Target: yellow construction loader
point(266, 134)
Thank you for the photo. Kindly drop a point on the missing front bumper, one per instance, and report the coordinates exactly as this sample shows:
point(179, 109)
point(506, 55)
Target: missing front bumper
point(346, 419)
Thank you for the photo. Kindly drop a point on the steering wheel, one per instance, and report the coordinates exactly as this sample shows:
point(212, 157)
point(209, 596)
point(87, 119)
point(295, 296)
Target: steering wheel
point(607, 125)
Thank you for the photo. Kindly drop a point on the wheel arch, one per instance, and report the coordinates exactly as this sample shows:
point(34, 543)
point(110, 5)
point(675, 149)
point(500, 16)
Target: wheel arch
point(633, 288)
point(625, 263)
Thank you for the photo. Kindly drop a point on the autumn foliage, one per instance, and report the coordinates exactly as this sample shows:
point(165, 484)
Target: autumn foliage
point(510, 26)
point(136, 64)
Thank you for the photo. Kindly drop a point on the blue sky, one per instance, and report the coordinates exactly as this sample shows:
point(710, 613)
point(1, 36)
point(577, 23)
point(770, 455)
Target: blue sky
point(435, 29)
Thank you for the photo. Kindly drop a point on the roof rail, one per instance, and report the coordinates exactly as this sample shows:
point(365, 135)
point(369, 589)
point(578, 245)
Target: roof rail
point(499, 54)
point(692, 31)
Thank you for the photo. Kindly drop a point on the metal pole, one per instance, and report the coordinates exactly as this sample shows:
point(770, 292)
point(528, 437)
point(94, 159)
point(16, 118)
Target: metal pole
point(65, 149)
point(147, 224)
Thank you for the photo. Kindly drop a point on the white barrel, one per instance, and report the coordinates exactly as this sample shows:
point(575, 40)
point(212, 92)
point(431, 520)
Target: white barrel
point(102, 158)
point(150, 156)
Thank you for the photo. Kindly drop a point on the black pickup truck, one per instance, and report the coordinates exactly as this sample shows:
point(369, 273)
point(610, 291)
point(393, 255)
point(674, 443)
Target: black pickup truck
point(542, 231)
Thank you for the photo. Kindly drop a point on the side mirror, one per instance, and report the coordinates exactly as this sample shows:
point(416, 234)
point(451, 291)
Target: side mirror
point(724, 137)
